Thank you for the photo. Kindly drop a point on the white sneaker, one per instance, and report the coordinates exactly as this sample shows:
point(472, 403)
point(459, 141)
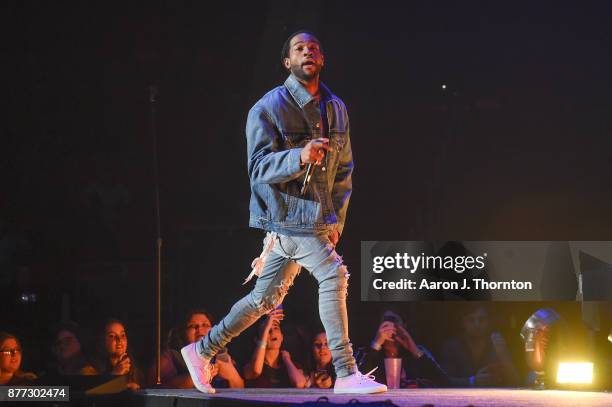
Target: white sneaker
point(199, 368)
point(358, 383)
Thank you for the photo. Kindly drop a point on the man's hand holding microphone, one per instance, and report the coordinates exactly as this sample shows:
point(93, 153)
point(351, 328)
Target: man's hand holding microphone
point(314, 151)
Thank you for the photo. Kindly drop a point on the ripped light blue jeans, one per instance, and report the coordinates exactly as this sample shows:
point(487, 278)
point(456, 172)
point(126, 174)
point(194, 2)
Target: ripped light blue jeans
point(314, 253)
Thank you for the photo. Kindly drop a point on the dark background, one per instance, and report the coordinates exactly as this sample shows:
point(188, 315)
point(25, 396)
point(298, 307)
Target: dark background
point(517, 147)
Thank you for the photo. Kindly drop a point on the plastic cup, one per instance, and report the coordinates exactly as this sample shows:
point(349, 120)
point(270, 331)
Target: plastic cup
point(393, 370)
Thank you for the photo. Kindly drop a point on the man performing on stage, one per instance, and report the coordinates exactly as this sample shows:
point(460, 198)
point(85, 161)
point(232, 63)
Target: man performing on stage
point(300, 165)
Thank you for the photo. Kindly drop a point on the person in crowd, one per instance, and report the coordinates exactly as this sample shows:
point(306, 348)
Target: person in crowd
point(479, 357)
point(392, 340)
point(321, 373)
point(271, 365)
point(10, 362)
point(68, 356)
point(174, 373)
point(114, 357)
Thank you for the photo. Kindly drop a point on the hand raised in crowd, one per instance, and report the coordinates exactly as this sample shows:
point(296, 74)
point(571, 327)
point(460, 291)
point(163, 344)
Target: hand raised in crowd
point(273, 317)
point(227, 370)
point(285, 355)
point(296, 375)
point(123, 366)
point(386, 332)
point(404, 338)
point(314, 151)
point(224, 366)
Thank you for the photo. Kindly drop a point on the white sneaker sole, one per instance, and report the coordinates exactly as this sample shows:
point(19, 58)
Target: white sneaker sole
point(366, 390)
point(194, 373)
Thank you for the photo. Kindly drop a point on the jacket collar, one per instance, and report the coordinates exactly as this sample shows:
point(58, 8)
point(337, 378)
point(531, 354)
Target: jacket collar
point(301, 95)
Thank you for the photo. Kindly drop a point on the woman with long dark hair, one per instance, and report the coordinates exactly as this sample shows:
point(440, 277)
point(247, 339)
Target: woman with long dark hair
point(114, 358)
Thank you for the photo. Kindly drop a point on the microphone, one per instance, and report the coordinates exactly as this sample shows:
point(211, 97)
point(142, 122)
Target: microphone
point(325, 134)
point(309, 171)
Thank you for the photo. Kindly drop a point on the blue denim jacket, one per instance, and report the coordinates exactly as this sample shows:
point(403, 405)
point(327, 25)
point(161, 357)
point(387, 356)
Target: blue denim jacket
point(278, 126)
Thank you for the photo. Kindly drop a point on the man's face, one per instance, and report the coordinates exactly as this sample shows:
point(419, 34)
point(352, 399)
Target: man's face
point(305, 58)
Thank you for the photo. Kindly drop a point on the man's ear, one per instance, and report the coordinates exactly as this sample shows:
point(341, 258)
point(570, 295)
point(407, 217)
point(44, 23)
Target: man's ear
point(287, 63)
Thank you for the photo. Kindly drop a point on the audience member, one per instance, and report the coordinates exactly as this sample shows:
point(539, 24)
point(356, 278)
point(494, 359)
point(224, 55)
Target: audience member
point(10, 362)
point(174, 373)
point(392, 340)
point(271, 365)
point(68, 356)
point(479, 357)
point(321, 372)
point(114, 357)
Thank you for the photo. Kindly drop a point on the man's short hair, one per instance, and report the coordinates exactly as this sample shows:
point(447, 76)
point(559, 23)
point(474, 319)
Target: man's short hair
point(285, 50)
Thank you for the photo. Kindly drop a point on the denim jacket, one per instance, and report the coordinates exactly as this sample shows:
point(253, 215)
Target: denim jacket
point(278, 126)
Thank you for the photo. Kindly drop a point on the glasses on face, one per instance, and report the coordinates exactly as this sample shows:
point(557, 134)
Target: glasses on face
point(198, 326)
point(320, 345)
point(11, 352)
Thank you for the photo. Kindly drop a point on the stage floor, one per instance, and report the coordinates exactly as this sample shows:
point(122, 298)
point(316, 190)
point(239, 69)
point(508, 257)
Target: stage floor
point(403, 397)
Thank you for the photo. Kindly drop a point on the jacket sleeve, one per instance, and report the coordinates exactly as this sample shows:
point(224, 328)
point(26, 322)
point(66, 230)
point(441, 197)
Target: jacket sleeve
point(266, 164)
point(343, 183)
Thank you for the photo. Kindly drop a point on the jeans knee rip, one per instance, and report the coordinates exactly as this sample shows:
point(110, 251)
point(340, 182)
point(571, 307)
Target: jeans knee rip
point(275, 295)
